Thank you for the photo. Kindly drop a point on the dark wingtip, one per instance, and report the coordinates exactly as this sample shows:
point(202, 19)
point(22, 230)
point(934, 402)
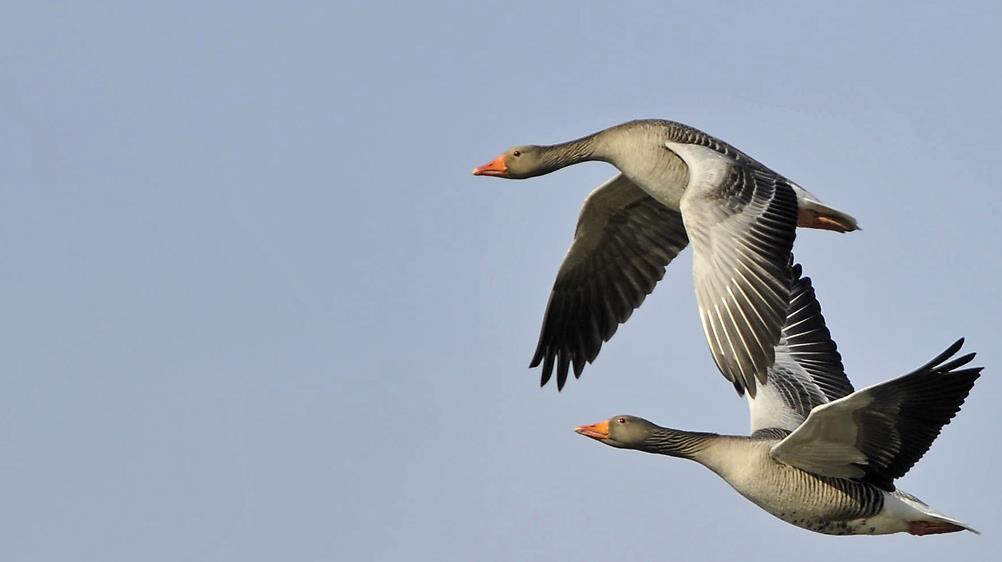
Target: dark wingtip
point(939, 364)
point(547, 367)
point(564, 363)
point(958, 362)
point(544, 378)
point(740, 389)
point(536, 358)
point(563, 368)
point(939, 359)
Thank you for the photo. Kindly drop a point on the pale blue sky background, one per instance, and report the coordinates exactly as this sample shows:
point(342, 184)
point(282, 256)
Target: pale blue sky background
point(256, 308)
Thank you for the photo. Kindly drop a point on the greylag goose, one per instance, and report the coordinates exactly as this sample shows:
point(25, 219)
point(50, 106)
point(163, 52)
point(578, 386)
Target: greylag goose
point(821, 456)
point(676, 184)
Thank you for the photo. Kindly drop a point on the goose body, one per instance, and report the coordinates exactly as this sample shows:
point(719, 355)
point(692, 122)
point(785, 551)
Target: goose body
point(676, 185)
point(828, 505)
point(821, 455)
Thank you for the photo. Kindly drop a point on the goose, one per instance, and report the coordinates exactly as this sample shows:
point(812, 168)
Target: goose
point(822, 456)
point(676, 184)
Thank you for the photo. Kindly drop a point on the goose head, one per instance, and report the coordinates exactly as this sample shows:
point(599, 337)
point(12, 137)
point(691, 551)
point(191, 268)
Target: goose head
point(624, 432)
point(518, 162)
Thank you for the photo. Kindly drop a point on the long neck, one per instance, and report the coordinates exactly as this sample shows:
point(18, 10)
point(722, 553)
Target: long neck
point(565, 154)
point(636, 149)
point(677, 443)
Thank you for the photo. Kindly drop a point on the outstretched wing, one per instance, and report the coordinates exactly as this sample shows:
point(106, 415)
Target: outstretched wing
point(877, 434)
point(623, 242)
point(808, 369)
point(742, 221)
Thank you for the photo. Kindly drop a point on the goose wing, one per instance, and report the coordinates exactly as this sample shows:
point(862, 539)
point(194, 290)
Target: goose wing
point(623, 242)
point(808, 368)
point(742, 220)
point(877, 434)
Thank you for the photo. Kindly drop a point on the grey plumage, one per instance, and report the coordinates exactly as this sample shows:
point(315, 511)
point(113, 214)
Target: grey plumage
point(892, 424)
point(741, 216)
point(623, 242)
point(822, 456)
point(807, 370)
point(742, 227)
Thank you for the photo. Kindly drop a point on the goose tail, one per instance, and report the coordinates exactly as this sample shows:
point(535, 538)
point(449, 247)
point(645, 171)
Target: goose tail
point(932, 522)
point(815, 214)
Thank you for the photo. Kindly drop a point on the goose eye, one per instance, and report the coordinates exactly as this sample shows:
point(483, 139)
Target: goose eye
point(516, 154)
point(620, 420)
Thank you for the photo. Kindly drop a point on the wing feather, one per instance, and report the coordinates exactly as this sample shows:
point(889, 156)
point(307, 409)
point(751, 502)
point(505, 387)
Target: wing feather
point(877, 434)
point(623, 242)
point(807, 371)
point(742, 221)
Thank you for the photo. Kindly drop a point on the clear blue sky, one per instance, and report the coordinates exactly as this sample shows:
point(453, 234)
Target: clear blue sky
point(255, 307)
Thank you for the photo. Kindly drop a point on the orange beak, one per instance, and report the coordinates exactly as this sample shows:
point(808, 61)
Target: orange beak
point(495, 167)
point(598, 430)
